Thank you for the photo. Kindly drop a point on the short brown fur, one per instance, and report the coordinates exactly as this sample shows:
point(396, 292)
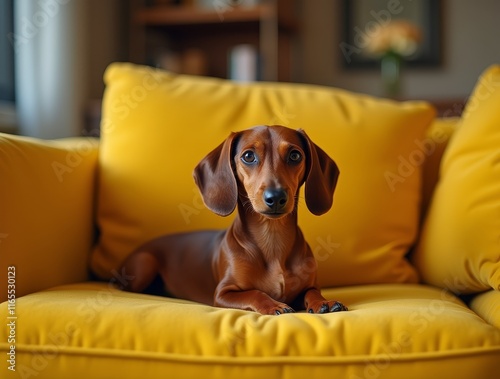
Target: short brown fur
point(261, 262)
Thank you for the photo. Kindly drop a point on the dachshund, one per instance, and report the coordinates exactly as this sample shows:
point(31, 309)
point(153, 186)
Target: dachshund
point(262, 262)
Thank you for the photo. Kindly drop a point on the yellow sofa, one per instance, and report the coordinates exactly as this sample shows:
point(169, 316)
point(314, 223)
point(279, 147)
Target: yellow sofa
point(411, 245)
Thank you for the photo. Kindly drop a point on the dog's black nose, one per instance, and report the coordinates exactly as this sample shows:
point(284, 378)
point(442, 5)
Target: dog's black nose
point(275, 199)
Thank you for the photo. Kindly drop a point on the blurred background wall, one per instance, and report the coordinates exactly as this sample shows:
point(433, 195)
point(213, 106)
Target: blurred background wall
point(59, 67)
point(470, 31)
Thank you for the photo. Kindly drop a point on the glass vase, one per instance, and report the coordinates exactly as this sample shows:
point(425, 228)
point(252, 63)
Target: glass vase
point(390, 66)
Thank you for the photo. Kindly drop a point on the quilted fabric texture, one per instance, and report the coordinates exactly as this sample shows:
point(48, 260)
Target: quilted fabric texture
point(460, 244)
point(157, 126)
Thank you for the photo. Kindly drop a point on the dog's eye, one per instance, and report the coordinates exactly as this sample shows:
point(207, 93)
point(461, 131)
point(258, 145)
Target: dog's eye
point(295, 156)
point(249, 157)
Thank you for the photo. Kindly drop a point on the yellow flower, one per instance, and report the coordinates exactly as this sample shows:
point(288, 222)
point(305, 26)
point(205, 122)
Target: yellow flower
point(400, 37)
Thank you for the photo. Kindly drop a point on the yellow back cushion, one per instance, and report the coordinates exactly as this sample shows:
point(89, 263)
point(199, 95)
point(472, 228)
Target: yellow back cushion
point(460, 244)
point(157, 126)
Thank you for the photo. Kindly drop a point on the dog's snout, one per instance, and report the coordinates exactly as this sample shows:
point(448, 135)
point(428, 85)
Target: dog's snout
point(275, 198)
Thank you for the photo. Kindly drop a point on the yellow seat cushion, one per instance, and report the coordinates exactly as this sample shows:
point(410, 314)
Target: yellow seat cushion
point(46, 211)
point(460, 245)
point(487, 305)
point(392, 330)
point(157, 126)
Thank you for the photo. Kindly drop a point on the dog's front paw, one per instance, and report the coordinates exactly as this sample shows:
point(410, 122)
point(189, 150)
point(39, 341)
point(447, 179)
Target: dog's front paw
point(276, 309)
point(326, 307)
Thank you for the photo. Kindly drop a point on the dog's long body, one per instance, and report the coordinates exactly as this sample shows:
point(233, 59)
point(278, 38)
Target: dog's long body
point(262, 261)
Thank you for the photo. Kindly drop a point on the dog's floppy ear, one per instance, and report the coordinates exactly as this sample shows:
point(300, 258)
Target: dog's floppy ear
point(320, 179)
point(215, 178)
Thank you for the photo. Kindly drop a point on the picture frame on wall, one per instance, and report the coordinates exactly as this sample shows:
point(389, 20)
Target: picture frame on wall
point(362, 17)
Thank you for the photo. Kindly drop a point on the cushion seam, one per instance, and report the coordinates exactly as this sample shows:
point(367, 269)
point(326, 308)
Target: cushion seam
point(263, 360)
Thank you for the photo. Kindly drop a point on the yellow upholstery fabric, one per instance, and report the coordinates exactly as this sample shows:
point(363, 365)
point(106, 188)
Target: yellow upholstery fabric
point(46, 211)
point(460, 244)
point(92, 330)
point(392, 331)
point(434, 145)
point(157, 126)
point(487, 305)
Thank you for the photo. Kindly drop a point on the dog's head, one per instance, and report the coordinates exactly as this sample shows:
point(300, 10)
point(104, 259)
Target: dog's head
point(265, 166)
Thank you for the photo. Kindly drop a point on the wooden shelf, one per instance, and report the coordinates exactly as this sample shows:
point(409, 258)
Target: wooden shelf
point(165, 30)
point(184, 15)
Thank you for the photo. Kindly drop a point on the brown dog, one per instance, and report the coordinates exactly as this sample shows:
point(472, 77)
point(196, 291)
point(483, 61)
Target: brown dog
point(261, 262)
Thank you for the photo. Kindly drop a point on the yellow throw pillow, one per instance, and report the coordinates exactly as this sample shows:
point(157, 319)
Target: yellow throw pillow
point(157, 126)
point(46, 212)
point(437, 139)
point(460, 244)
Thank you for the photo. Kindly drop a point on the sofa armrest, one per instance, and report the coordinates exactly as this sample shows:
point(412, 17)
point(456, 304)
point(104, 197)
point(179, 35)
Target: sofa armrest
point(47, 208)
